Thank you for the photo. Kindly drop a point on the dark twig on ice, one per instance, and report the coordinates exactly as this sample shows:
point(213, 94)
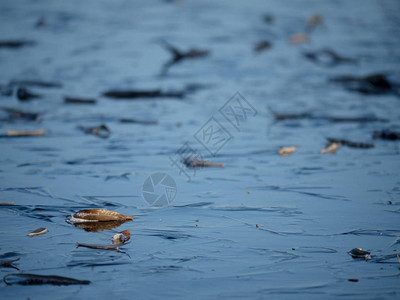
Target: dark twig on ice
point(35, 83)
point(135, 121)
point(351, 144)
point(137, 94)
point(387, 135)
point(333, 119)
point(8, 263)
point(328, 57)
point(15, 44)
point(373, 84)
point(33, 279)
point(71, 100)
point(178, 55)
point(23, 94)
point(19, 114)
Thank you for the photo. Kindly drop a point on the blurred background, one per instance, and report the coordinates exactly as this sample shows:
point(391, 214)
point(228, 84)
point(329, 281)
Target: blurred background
point(111, 90)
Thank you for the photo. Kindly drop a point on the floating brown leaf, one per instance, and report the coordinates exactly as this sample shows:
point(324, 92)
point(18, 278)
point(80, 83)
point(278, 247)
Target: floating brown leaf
point(286, 151)
point(98, 215)
point(38, 231)
point(11, 133)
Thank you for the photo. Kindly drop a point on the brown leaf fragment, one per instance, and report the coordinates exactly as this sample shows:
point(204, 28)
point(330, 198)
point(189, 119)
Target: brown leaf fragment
point(298, 38)
point(16, 133)
point(193, 162)
point(331, 148)
point(38, 231)
point(121, 237)
point(286, 151)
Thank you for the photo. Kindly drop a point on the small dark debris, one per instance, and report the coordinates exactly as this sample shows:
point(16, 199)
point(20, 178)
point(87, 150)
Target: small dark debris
point(373, 84)
point(360, 253)
point(70, 100)
point(23, 94)
point(15, 44)
point(135, 121)
point(328, 57)
point(101, 131)
point(351, 144)
point(263, 45)
point(386, 134)
point(137, 94)
point(19, 114)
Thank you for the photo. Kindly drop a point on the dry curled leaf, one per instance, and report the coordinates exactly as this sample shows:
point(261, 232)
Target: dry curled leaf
point(121, 237)
point(38, 231)
point(298, 38)
point(286, 151)
point(331, 148)
point(360, 253)
point(98, 215)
